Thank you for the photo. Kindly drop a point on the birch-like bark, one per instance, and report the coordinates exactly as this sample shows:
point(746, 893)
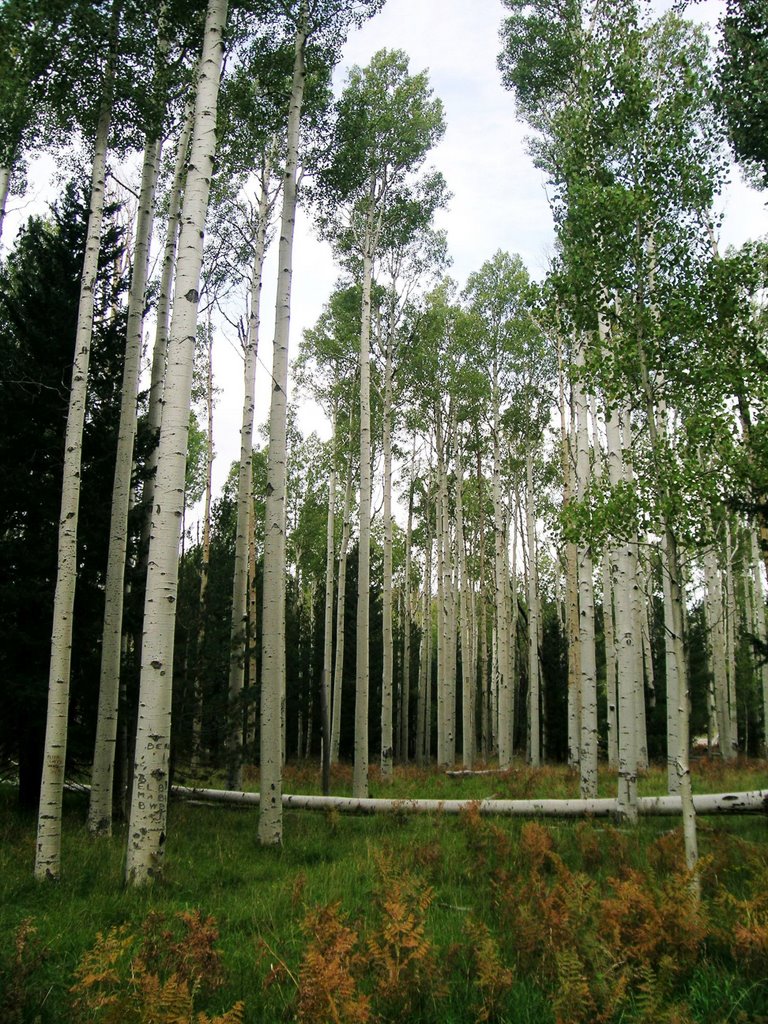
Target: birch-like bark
point(567, 436)
point(425, 655)
point(485, 740)
point(731, 632)
point(48, 847)
point(588, 682)
point(102, 772)
point(608, 627)
point(505, 691)
point(387, 692)
point(678, 639)
point(149, 801)
point(533, 618)
point(338, 668)
point(330, 561)
point(467, 663)
point(205, 564)
point(360, 767)
point(239, 621)
point(405, 701)
point(623, 579)
point(273, 614)
point(446, 635)
point(713, 606)
point(163, 317)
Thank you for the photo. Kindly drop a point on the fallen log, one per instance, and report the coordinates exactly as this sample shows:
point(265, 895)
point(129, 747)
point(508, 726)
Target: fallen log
point(750, 802)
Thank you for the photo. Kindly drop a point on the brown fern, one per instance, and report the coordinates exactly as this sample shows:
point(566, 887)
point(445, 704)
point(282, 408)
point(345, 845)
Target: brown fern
point(328, 988)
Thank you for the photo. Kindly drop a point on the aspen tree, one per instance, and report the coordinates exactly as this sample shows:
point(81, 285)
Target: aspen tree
point(102, 773)
point(240, 613)
point(405, 701)
point(147, 822)
point(48, 846)
point(386, 123)
point(533, 617)
point(273, 613)
point(588, 682)
point(163, 313)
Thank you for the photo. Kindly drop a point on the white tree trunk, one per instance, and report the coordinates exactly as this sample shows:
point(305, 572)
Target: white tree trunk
point(716, 645)
point(48, 849)
point(467, 659)
point(102, 773)
point(731, 634)
point(623, 579)
point(588, 682)
point(205, 563)
point(533, 618)
point(608, 626)
point(425, 653)
point(504, 684)
point(163, 316)
point(405, 699)
point(330, 562)
point(360, 768)
point(387, 692)
point(149, 800)
point(273, 615)
point(748, 802)
point(338, 669)
point(567, 438)
point(239, 622)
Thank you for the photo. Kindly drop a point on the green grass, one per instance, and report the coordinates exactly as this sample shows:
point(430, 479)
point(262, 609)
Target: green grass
point(260, 897)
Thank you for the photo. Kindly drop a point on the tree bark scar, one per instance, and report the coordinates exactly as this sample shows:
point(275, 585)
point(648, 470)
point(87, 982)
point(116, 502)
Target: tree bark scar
point(192, 295)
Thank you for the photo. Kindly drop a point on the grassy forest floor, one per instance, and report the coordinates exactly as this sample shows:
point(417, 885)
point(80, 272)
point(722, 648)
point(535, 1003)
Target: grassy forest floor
point(396, 918)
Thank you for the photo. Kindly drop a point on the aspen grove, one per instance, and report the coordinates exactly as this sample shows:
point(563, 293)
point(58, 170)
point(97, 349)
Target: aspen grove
point(532, 525)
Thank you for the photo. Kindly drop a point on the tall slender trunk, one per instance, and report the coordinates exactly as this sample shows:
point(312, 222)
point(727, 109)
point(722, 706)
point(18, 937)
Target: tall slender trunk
point(149, 801)
point(360, 769)
point(607, 598)
point(163, 317)
point(446, 635)
point(273, 615)
point(467, 663)
point(567, 433)
point(716, 648)
point(677, 635)
point(534, 694)
point(102, 773)
point(485, 740)
point(330, 561)
point(405, 700)
point(251, 715)
point(387, 694)
point(504, 684)
point(338, 668)
point(731, 633)
point(198, 672)
point(239, 621)
point(48, 849)
point(588, 683)
point(425, 655)
point(620, 554)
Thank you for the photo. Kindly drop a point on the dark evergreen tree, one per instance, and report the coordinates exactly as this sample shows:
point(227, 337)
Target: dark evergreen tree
point(39, 292)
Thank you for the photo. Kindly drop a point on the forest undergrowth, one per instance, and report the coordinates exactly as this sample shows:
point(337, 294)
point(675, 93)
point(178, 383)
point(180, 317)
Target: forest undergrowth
point(397, 917)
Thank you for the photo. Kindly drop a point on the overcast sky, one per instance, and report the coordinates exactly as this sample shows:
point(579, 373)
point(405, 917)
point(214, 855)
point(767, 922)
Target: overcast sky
point(499, 198)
